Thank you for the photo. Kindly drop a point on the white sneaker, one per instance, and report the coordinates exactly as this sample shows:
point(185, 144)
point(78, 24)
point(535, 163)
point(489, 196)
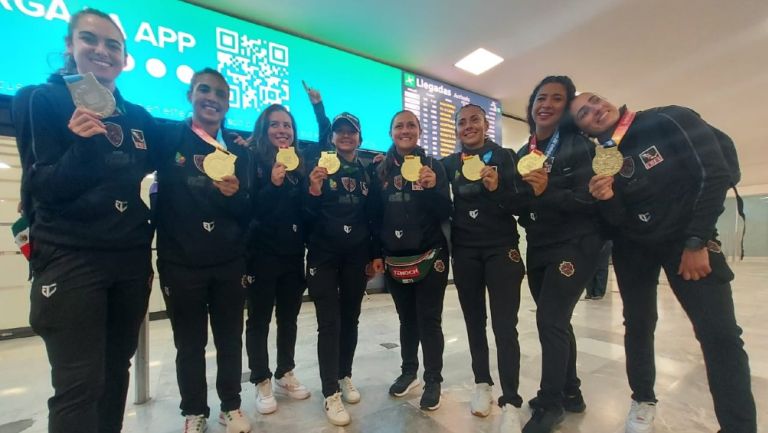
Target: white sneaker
point(510, 419)
point(290, 385)
point(641, 416)
point(235, 421)
point(195, 424)
point(481, 400)
point(265, 400)
point(335, 411)
point(348, 391)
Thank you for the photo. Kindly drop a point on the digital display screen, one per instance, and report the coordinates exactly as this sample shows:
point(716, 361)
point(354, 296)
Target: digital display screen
point(168, 40)
point(436, 104)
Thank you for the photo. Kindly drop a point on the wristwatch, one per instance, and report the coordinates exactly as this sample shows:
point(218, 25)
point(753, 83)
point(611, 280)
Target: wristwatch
point(694, 243)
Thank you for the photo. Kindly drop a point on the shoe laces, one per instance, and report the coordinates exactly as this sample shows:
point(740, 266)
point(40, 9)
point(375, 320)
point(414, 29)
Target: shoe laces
point(348, 385)
point(290, 381)
point(334, 403)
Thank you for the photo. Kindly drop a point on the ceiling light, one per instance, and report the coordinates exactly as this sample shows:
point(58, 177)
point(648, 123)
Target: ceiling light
point(479, 61)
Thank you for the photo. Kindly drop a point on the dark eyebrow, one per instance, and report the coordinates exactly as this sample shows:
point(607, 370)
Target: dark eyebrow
point(93, 35)
point(594, 99)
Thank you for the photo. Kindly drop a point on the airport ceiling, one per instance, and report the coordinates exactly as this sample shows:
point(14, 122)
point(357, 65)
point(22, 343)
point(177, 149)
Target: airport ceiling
point(710, 55)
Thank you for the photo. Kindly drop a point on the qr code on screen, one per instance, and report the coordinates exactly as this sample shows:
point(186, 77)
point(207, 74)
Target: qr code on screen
point(256, 69)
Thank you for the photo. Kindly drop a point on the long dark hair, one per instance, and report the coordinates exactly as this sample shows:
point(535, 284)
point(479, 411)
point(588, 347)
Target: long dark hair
point(70, 67)
point(265, 150)
point(386, 166)
point(570, 93)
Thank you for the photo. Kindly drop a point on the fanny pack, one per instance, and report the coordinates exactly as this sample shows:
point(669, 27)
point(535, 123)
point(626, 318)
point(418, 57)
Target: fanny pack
point(411, 269)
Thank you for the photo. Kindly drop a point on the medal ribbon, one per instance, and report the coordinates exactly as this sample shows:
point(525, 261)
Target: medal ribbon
point(200, 132)
point(618, 134)
point(554, 143)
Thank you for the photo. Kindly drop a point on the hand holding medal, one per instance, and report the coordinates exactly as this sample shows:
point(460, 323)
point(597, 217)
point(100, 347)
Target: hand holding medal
point(88, 93)
point(220, 162)
point(288, 157)
point(411, 168)
point(472, 167)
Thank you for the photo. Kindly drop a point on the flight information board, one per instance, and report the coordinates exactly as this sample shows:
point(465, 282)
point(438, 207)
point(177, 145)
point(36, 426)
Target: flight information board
point(436, 104)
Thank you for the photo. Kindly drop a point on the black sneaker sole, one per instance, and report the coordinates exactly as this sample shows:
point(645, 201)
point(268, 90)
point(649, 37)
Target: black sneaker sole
point(431, 408)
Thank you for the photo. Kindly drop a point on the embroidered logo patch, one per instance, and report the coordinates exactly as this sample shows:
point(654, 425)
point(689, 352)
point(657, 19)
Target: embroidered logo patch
point(514, 255)
point(567, 269)
point(138, 139)
point(644, 217)
point(48, 290)
point(350, 184)
point(651, 157)
point(416, 187)
point(167, 290)
point(114, 133)
point(179, 159)
point(398, 234)
point(347, 229)
point(474, 213)
point(627, 168)
point(533, 216)
point(247, 280)
point(333, 184)
point(295, 228)
point(439, 265)
point(121, 206)
point(209, 226)
point(398, 181)
point(312, 271)
point(364, 188)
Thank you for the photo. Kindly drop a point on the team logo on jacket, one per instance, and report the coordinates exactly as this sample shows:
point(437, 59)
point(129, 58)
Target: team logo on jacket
point(628, 167)
point(651, 157)
point(567, 269)
point(114, 133)
point(333, 185)
point(398, 234)
point(349, 183)
point(179, 159)
point(347, 229)
point(295, 228)
point(364, 188)
point(167, 290)
point(398, 182)
point(714, 247)
point(514, 255)
point(48, 290)
point(199, 162)
point(312, 272)
point(473, 213)
point(247, 280)
point(209, 226)
point(121, 206)
point(439, 265)
point(416, 187)
point(533, 216)
point(137, 135)
point(644, 217)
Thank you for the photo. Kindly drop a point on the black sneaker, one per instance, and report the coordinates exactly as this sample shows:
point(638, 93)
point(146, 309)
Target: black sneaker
point(571, 403)
point(403, 384)
point(544, 420)
point(430, 399)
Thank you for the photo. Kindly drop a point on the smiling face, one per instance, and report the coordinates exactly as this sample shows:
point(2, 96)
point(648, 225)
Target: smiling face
point(97, 45)
point(345, 137)
point(210, 99)
point(405, 132)
point(280, 129)
point(548, 106)
point(471, 126)
point(593, 114)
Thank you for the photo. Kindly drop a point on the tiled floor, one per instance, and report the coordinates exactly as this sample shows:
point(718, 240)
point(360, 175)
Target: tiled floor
point(685, 405)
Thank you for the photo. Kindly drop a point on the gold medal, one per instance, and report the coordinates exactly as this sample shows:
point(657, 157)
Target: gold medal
point(472, 167)
point(218, 164)
point(329, 161)
point(88, 93)
point(287, 156)
point(533, 161)
point(411, 167)
point(607, 161)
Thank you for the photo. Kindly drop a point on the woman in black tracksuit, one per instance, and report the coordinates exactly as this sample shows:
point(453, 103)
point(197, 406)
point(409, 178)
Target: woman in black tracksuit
point(201, 225)
point(91, 256)
point(485, 255)
point(275, 257)
point(416, 254)
point(342, 243)
point(563, 245)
